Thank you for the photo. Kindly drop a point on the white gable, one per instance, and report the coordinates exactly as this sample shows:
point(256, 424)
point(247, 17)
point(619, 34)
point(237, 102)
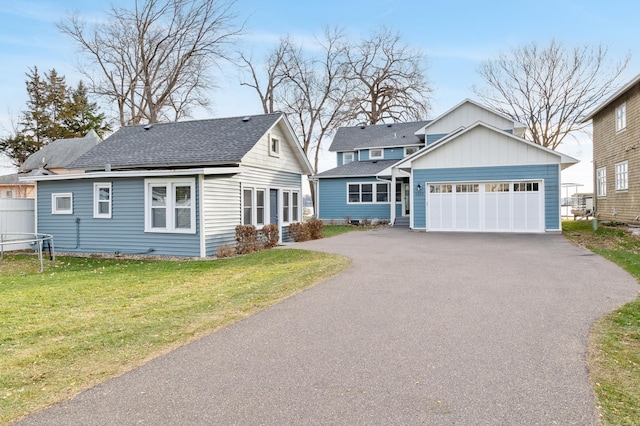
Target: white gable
point(482, 146)
point(290, 157)
point(464, 115)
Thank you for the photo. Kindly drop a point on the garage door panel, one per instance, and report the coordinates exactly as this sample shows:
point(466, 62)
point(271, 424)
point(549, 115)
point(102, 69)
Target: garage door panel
point(486, 207)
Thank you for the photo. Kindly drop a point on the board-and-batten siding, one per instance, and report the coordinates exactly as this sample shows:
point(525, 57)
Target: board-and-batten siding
point(485, 147)
point(124, 232)
point(549, 174)
point(222, 211)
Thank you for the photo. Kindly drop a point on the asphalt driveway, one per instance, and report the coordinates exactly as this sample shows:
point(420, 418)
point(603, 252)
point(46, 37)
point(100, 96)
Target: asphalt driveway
point(434, 328)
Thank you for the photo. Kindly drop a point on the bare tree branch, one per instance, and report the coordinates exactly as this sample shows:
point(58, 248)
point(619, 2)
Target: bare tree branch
point(549, 89)
point(153, 61)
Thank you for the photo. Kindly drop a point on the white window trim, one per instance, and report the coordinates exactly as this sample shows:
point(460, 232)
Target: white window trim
point(274, 152)
point(254, 206)
point(622, 184)
point(380, 157)
point(601, 182)
point(621, 117)
point(352, 154)
point(290, 193)
point(54, 196)
point(374, 196)
point(96, 200)
point(171, 184)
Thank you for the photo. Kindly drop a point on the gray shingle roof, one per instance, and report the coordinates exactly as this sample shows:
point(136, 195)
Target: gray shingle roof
point(187, 143)
point(379, 135)
point(61, 152)
point(10, 179)
point(358, 168)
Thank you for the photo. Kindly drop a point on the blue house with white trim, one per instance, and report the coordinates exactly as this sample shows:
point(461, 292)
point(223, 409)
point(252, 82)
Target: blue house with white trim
point(469, 169)
point(176, 188)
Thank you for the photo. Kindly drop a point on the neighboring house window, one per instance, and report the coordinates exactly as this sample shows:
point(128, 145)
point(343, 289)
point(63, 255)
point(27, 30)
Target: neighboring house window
point(376, 153)
point(621, 117)
point(622, 176)
point(253, 206)
point(8, 193)
point(274, 147)
point(410, 150)
point(247, 207)
point(170, 206)
point(348, 157)
point(601, 182)
point(102, 200)
point(368, 192)
point(260, 197)
point(295, 206)
point(62, 203)
point(285, 206)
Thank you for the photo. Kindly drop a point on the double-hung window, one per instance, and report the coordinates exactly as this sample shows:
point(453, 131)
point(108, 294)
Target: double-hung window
point(621, 117)
point(170, 205)
point(253, 206)
point(286, 206)
point(367, 193)
point(102, 200)
point(622, 176)
point(601, 182)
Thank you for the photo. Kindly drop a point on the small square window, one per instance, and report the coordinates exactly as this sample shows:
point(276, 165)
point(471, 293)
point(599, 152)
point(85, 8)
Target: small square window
point(376, 153)
point(62, 203)
point(347, 157)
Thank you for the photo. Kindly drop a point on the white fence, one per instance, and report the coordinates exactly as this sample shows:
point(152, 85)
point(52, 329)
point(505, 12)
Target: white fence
point(17, 215)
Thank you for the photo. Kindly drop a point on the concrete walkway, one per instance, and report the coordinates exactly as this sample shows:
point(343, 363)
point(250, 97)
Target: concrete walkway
point(435, 329)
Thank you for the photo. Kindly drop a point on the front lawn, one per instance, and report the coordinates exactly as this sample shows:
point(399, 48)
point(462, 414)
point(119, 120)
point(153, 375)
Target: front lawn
point(85, 320)
point(614, 343)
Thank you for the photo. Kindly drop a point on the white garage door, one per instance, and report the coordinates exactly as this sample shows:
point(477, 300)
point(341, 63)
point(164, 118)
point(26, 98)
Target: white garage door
point(486, 207)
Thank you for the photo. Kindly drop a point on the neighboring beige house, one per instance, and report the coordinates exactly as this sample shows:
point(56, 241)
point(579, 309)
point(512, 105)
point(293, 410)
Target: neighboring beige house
point(616, 155)
point(11, 187)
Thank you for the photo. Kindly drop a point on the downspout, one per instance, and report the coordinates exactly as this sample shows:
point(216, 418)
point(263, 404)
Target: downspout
point(316, 200)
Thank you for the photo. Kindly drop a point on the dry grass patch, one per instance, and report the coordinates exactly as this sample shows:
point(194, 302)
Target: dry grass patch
point(89, 319)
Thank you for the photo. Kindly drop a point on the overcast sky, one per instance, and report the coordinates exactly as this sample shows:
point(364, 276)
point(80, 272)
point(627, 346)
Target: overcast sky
point(456, 37)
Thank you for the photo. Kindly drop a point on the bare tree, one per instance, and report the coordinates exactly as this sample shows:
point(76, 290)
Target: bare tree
point(312, 91)
point(388, 79)
point(549, 89)
point(153, 61)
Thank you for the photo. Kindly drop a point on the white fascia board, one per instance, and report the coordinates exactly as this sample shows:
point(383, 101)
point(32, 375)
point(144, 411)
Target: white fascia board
point(134, 173)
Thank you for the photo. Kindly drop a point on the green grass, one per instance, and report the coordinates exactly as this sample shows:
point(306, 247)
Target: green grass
point(88, 319)
point(614, 343)
point(333, 230)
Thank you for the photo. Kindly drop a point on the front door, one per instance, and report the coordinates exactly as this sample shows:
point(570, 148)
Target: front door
point(273, 206)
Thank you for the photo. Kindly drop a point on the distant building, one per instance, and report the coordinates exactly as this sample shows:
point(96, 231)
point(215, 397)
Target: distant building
point(616, 155)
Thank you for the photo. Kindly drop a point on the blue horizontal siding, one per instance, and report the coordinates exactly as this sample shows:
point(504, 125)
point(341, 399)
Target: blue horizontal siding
point(123, 232)
point(550, 174)
point(340, 157)
point(332, 197)
point(435, 137)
